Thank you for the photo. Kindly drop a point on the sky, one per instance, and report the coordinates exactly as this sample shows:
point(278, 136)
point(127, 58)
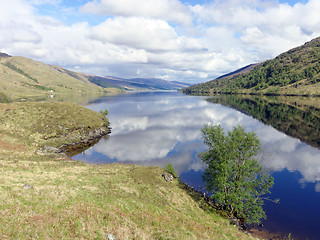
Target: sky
point(182, 40)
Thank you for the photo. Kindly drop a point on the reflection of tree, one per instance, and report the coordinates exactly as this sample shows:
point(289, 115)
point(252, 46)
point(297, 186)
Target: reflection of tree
point(299, 121)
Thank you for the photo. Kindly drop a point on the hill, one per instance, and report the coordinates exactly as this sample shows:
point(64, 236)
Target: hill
point(137, 83)
point(22, 77)
point(295, 72)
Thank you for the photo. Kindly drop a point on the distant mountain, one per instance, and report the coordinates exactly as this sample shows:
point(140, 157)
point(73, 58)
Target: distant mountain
point(137, 83)
point(4, 55)
point(295, 72)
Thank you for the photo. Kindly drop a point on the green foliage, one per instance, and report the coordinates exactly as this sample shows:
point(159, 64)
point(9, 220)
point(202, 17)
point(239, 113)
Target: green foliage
point(233, 172)
point(170, 169)
point(104, 113)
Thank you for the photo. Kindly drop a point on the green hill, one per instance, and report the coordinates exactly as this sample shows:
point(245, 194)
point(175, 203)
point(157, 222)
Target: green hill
point(296, 72)
point(22, 77)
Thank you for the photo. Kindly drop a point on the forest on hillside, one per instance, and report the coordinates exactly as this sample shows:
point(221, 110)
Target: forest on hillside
point(296, 72)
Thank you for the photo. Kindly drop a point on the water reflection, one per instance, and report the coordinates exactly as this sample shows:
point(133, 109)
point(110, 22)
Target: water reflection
point(291, 154)
point(295, 116)
point(158, 128)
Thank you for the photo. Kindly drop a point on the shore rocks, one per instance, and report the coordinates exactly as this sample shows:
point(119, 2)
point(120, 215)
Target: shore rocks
point(78, 143)
point(167, 177)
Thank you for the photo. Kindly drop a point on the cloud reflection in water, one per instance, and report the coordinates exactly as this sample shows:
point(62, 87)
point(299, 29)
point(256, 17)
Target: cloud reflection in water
point(158, 129)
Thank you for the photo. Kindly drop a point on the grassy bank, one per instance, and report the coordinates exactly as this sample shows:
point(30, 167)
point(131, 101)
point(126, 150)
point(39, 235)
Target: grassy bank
point(52, 197)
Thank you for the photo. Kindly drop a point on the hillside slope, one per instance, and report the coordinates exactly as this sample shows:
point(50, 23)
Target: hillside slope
point(295, 72)
point(23, 77)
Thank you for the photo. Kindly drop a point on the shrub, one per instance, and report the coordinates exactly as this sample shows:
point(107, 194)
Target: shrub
point(233, 173)
point(170, 169)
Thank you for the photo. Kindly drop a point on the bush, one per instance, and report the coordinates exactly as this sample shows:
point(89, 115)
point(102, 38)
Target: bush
point(233, 173)
point(170, 169)
point(104, 113)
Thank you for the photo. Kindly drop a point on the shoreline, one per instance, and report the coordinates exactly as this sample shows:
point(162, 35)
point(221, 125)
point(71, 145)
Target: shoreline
point(213, 93)
point(256, 231)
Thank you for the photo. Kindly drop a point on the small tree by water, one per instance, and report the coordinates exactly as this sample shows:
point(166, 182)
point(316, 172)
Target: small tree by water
point(170, 169)
point(233, 172)
point(104, 114)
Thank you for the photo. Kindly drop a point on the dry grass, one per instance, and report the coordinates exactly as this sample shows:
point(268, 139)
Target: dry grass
point(74, 200)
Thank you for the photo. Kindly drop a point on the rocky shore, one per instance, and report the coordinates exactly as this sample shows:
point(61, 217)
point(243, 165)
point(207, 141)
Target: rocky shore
point(72, 148)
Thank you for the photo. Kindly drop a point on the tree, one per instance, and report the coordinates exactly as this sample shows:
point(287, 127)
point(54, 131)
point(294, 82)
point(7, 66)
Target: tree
point(233, 172)
point(170, 169)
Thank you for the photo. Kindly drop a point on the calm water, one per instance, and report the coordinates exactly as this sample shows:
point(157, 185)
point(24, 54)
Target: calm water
point(155, 128)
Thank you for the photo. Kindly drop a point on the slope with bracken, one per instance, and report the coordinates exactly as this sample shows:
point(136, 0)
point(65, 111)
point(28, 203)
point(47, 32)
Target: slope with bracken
point(295, 72)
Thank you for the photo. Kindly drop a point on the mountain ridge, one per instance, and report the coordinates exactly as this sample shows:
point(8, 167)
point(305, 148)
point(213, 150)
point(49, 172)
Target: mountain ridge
point(239, 71)
point(138, 83)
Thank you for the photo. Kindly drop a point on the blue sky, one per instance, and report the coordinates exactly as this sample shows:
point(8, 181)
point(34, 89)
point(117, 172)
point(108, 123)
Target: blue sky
point(293, 2)
point(185, 40)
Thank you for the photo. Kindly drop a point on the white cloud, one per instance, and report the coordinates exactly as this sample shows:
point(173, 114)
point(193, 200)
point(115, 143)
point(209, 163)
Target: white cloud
point(141, 40)
point(139, 33)
point(170, 10)
point(265, 28)
point(159, 133)
point(12, 9)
